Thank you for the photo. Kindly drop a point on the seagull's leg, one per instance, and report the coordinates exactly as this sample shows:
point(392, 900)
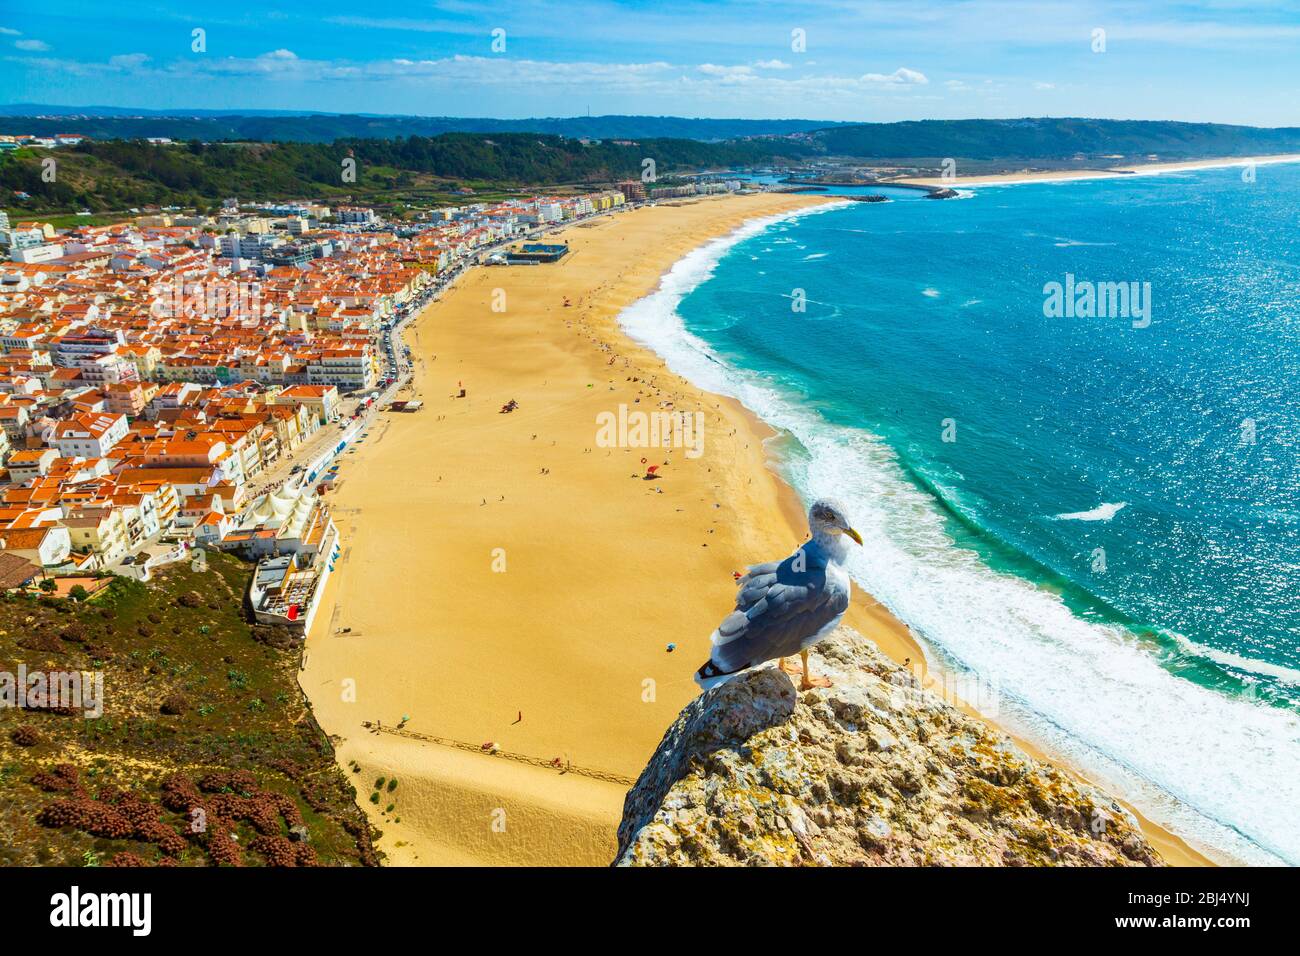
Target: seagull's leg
point(809, 682)
point(789, 666)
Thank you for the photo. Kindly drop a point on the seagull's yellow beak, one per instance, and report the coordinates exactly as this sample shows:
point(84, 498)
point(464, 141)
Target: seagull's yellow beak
point(854, 535)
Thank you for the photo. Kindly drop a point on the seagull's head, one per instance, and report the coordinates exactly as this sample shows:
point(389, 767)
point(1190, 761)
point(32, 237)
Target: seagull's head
point(827, 516)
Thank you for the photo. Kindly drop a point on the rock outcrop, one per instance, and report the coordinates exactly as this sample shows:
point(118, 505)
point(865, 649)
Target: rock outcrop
point(871, 771)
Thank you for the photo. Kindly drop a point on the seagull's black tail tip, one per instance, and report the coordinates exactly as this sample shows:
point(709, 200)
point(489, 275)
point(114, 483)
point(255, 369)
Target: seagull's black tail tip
point(711, 675)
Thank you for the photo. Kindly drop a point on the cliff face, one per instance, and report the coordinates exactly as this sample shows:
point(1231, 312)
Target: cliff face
point(872, 771)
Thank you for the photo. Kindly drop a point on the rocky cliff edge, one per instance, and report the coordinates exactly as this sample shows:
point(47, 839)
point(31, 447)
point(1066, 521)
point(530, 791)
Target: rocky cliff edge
point(871, 771)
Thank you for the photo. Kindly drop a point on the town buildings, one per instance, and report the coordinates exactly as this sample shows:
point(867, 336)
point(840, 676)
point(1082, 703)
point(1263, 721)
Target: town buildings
point(154, 372)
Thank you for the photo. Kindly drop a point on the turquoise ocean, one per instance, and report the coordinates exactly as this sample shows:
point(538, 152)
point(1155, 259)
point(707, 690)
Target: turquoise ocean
point(1093, 520)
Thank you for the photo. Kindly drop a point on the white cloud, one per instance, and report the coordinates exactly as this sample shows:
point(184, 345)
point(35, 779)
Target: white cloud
point(128, 61)
point(900, 77)
point(1044, 86)
point(35, 46)
point(772, 65)
point(712, 86)
point(1205, 33)
point(6, 31)
point(712, 69)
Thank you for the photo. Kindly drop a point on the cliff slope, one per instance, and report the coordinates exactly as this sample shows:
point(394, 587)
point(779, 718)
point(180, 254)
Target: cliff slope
point(872, 771)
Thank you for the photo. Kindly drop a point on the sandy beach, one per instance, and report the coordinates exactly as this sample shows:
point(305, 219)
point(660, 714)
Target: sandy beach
point(508, 581)
point(1142, 169)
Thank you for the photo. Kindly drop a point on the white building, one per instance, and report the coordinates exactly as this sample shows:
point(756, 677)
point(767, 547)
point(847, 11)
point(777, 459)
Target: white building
point(46, 252)
point(89, 435)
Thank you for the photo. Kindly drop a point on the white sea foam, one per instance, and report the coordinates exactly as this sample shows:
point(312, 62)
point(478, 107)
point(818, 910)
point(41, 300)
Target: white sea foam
point(1279, 672)
point(930, 293)
point(1068, 243)
point(1216, 768)
point(1103, 512)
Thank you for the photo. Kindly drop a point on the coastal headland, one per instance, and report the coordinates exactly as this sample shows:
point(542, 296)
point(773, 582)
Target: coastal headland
point(521, 601)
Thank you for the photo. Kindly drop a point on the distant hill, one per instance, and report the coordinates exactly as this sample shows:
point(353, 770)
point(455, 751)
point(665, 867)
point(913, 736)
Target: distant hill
point(1054, 139)
point(103, 122)
point(276, 157)
point(1026, 139)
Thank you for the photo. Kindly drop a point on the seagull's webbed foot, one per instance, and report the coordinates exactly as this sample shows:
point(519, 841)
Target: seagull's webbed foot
point(809, 682)
point(790, 666)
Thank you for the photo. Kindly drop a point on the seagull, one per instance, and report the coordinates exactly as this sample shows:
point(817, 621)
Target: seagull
point(784, 607)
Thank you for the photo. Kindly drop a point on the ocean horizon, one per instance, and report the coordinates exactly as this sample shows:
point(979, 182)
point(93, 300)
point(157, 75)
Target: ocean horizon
point(1064, 417)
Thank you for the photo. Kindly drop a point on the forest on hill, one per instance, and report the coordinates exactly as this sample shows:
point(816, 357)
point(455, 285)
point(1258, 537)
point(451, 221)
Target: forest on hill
point(123, 173)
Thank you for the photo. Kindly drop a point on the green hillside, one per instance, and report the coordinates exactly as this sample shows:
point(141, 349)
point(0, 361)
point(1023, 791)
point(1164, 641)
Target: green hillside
point(201, 712)
point(120, 174)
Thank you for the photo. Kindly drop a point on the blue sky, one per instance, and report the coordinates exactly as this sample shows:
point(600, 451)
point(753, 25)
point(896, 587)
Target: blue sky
point(1212, 60)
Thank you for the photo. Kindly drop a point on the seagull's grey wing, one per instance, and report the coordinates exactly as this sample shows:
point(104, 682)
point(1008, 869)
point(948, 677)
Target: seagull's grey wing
point(753, 586)
point(777, 610)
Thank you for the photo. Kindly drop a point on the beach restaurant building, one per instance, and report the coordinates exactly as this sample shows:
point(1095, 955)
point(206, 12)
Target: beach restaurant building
point(530, 253)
